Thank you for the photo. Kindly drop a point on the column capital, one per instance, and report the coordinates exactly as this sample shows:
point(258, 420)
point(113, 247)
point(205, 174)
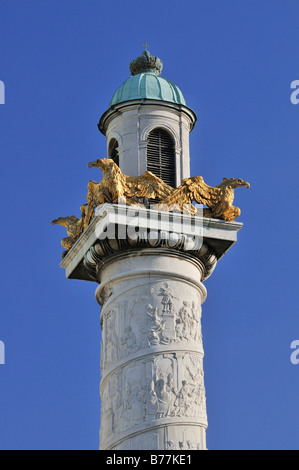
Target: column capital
point(112, 233)
point(105, 250)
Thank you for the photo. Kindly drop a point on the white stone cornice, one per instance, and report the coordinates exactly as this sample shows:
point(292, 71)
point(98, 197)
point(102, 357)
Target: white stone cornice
point(217, 237)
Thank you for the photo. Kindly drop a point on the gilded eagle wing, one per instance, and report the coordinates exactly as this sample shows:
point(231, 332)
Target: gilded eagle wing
point(193, 189)
point(147, 185)
point(201, 192)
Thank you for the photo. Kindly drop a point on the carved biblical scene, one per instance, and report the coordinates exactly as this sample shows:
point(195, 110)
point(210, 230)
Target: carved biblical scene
point(153, 317)
point(166, 438)
point(185, 438)
point(153, 388)
point(149, 440)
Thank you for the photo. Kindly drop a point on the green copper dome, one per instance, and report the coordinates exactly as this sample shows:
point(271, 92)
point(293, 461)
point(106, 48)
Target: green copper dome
point(145, 83)
point(148, 85)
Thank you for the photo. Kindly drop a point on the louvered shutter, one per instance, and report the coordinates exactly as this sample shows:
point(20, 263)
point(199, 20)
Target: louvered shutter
point(113, 152)
point(160, 155)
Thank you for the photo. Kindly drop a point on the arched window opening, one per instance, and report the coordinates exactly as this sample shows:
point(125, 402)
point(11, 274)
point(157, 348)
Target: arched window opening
point(160, 155)
point(113, 151)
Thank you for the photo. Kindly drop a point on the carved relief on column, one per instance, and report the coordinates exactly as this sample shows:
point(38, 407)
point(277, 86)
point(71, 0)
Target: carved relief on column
point(148, 392)
point(152, 381)
point(149, 315)
point(167, 438)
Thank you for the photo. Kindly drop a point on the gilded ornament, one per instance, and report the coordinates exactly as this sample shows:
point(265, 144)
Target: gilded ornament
point(115, 187)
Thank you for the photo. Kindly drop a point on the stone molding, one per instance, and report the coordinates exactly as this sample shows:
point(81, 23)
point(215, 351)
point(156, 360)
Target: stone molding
point(80, 262)
point(105, 249)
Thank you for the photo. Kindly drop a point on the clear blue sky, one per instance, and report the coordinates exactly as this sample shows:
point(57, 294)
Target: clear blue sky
point(61, 62)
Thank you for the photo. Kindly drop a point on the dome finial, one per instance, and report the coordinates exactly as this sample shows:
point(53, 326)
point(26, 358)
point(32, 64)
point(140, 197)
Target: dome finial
point(146, 63)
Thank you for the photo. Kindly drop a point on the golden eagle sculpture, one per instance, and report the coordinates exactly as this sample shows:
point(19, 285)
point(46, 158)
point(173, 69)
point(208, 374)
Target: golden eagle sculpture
point(116, 187)
point(219, 199)
point(74, 228)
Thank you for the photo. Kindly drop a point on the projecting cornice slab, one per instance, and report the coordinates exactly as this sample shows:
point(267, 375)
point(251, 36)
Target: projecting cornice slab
point(119, 229)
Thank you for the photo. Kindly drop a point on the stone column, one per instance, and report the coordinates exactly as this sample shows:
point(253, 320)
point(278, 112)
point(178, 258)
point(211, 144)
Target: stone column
point(152, 381)
point(150, 290)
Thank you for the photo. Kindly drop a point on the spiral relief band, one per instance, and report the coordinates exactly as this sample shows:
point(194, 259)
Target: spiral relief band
point(152, 381)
